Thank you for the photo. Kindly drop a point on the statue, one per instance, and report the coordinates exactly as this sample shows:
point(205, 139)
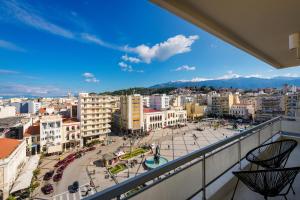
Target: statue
point(157, 155)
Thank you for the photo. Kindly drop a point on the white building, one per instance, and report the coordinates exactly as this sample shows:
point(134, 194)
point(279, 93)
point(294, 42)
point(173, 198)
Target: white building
point(242, 110)
point(146, 101)
point(12, 159)
point(51, 133)
point(94, 113)
point(7, 111)
point(33, 107)
point(155, 119)
point(160, 101)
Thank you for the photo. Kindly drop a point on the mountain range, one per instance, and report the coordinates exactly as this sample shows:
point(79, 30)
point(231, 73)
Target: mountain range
point(240, 82)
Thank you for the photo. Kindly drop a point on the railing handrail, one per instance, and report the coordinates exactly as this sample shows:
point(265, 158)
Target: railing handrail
point(132, 183)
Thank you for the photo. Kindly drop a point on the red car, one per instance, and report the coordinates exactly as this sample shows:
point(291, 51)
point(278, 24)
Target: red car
point(57, 177)
point(61, 169)
point(59, 163)
point(48, 175)
point(71, 159)
point(47, 189)
point(91, 149)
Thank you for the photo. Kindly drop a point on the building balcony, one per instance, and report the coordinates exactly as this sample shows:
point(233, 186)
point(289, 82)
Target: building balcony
point(207, 173)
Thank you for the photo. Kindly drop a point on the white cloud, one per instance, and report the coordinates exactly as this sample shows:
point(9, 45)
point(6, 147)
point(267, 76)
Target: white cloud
point(130, 59)
point(10, 46)
point(185, 68)
point(125, 67)
point(29, 16)
point(96, 40)
point(88, 75)
point(21, 90)
point(128, 68)
point(90, 78)
point(229, 75)
point(6, 71)
point(175, 45)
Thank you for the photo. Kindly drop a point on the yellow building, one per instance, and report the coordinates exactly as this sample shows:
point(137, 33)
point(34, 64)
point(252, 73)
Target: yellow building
point(131, 108)
point(194, 110)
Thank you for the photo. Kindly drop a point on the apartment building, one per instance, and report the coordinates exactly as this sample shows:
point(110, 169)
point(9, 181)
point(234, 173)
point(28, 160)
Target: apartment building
point(159, 101)
point(12, 159)
point(94, 113)
point(32, 138)
point(71, 137)
point(269, 107)
point(31, 107)
point(51, 134)
point(221, 104)
point(292, 104)
point(131, 113)
point(146, 101)
point(7, 111)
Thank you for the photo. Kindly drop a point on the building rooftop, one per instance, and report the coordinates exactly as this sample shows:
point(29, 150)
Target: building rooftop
point(7, 146)
point(32, 130)
point(70, 120)
point(9, 122)
point(150, 110)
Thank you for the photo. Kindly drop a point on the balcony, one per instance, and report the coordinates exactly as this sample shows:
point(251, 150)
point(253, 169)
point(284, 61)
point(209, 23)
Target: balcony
point(207, 173)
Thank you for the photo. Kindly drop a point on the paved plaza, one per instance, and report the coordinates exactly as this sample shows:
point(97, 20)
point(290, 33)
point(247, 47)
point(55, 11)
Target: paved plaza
point(173, 144)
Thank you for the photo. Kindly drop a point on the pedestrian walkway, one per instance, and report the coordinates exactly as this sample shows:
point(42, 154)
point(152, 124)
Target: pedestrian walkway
point(82, 193)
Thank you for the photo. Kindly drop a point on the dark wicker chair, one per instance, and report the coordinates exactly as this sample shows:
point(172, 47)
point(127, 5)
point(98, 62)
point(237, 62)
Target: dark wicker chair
point(270, 182)
point(272, 155)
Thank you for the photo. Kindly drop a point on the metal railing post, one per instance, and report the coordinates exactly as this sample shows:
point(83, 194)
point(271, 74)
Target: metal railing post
point(240, 153)
point(203, 179)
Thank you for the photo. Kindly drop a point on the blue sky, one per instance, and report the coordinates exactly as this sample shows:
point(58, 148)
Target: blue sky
point(49, 47)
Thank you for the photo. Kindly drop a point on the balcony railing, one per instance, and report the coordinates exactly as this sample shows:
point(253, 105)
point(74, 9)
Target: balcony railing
point(191, 174)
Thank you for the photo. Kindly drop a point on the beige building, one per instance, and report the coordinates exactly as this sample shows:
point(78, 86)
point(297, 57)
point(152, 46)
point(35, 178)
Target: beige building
point(12, 159)
point(71, 133)
point(269, 107)
point(292, 104)
point(194, 110)
point(131, 113)
point(94, 113)
point(221, 105)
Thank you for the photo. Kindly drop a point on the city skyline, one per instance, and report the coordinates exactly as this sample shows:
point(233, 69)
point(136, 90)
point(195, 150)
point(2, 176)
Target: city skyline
point(91, 46)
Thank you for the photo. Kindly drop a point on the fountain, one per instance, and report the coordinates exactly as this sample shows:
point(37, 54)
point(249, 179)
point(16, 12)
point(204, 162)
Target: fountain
point(156, 160)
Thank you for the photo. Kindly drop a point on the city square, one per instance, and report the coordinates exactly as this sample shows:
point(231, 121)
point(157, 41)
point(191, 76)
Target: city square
point(173, 143)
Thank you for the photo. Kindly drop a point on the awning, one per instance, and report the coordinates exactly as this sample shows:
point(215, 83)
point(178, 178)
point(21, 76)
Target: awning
point(24, 179)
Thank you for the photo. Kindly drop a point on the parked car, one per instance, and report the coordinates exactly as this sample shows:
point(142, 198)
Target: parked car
point(91, 148)
point(47, 189)
point(48, 175)
point(58, 164)
point(78, 155)
point(57, 177)
point(74, 187)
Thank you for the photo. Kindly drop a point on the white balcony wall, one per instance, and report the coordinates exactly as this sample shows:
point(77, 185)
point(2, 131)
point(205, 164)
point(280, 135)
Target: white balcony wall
point(220, 161)
point(177, 187)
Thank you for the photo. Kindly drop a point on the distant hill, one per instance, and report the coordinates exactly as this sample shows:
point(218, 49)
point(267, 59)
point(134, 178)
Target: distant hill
point(241, 82)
